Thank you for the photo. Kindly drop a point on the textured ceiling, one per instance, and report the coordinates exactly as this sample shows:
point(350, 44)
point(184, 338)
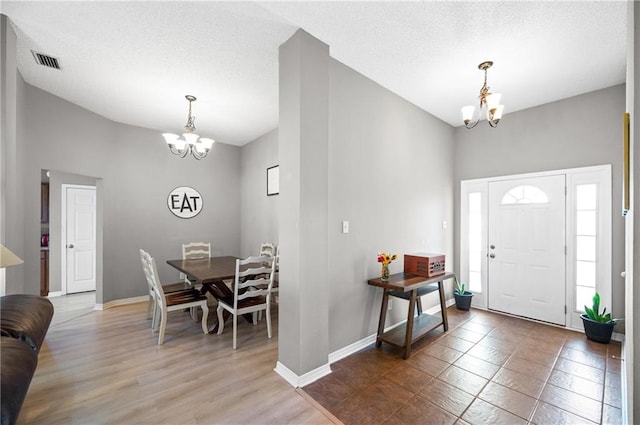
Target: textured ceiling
point(133, 62)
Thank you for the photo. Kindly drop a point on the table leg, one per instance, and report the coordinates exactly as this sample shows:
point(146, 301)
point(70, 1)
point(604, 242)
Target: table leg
point(383, 316)
point(419, 305)
point(409, 335)
point(443, 306)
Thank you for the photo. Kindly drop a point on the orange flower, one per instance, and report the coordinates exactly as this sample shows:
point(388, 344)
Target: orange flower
point(385, 258)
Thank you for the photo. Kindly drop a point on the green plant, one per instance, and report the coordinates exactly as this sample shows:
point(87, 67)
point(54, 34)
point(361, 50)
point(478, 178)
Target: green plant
point(594, 314)
point(460, 287)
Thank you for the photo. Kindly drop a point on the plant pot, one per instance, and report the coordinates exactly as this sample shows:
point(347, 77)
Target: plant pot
point(596, 331)
point(463, 301)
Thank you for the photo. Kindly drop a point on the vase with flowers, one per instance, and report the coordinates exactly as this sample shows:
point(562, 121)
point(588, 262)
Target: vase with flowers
point(385, 259)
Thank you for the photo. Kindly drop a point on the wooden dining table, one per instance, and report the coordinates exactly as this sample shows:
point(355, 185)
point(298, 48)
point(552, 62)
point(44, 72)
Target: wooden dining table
point(211, 274)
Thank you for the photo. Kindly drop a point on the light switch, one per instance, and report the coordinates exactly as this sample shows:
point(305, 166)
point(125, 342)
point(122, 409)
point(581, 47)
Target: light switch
point(345, 227)
point(444, 224)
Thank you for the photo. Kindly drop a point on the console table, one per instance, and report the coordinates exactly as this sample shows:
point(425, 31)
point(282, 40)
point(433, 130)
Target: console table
point(410, 287)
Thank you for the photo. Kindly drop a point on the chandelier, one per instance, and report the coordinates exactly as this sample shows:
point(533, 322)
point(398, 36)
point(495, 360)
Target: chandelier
point(489, 101)
point(192, 143)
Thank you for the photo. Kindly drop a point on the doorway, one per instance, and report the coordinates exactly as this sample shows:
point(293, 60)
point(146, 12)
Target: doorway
point(78, 238)
point(538, 245)
point(526, 248)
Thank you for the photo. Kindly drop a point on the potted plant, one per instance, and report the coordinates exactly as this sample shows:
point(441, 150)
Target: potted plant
point(597, 326)
point(462, 296)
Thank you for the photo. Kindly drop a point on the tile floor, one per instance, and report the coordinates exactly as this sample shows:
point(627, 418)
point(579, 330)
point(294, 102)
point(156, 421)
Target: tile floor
point(487, 369)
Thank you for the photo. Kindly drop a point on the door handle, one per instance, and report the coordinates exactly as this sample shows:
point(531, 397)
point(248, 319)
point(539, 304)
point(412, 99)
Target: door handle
point(492, 247)
point(492, 255)
point(70, 246)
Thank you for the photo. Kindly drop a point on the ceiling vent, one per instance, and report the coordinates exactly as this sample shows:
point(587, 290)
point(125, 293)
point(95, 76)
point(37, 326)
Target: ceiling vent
point(46, 60)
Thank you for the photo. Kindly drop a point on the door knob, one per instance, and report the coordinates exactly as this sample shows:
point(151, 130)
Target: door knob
point(492, 247)
point(492, 255)
point(70, 246)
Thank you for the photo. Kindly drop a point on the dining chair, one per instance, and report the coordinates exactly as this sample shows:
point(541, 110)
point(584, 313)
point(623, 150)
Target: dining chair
point(270, 249)
point(251, 292)
point(166, 302)
point(196, 250)
point(168, 288)
point(267, 248)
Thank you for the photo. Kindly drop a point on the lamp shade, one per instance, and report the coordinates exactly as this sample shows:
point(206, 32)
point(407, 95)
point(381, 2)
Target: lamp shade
point(467, 113)
point(498, 112)
point(170, 138)
point(493, 100)
point(191, 138)
point(8, 258)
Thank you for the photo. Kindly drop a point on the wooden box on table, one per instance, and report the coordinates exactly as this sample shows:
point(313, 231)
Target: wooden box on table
point(424, 264)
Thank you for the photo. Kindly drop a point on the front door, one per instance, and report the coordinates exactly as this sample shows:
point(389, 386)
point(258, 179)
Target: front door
point(81, 239)
point(526, 248)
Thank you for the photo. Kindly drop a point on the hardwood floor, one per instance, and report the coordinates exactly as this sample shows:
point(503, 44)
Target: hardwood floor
point(104, 367)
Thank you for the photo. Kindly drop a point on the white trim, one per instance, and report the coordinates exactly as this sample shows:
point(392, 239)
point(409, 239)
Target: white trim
point(602, 179)
point(352, 348)
point(573, 175)
point(466, 188)
point(589, 169)
point(63, 231)
point(306, 379)
point(312, 376)
point(55, 294)
point(122, 301)
point(364, 342)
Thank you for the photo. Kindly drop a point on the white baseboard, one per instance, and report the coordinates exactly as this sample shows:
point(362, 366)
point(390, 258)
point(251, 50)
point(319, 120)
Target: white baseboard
point(307, 378)
point(359, 345)
point(54, 294)
point(300, 381)
point(617, 337)
point(123, 301)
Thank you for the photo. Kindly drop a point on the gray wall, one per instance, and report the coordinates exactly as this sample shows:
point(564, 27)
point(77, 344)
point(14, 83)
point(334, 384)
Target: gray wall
point(391, 177)
point(259, 212)
point(136, 173)
point(11, 155)
point(580, 131)
point(303, 341)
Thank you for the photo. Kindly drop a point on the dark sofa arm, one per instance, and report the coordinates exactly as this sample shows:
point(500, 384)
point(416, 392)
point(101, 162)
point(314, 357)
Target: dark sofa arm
point(25, 317)
point(18, 363)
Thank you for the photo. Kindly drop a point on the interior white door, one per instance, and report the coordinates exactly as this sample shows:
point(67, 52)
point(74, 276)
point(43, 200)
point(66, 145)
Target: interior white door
point(81, 239)
point(526, 272)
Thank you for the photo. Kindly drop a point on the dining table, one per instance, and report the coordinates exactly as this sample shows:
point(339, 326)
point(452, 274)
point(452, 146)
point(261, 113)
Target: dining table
point(211, 273)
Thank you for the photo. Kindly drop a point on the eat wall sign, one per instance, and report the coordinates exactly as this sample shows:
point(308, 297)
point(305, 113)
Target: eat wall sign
point(184, 202)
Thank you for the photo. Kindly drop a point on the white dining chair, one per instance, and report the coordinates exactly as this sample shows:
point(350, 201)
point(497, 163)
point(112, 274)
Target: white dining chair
point(196, 250)
point(165, 303)
point(251, 293)
point(272, 250)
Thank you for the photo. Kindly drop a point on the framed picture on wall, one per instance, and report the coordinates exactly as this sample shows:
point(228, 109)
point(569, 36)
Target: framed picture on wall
point(273, 180)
